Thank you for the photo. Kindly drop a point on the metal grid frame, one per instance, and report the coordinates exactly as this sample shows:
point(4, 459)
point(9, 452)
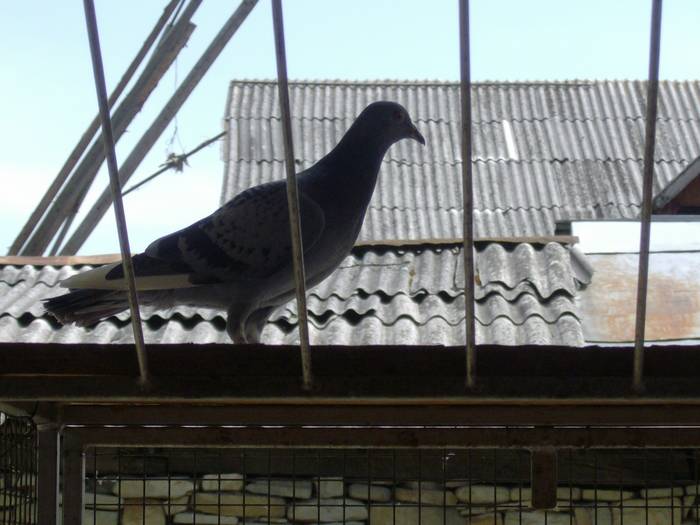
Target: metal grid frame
point(18, 463)
point(86, 444)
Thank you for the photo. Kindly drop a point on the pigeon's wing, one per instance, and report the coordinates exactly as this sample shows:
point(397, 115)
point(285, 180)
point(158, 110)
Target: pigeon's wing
point(247, 238)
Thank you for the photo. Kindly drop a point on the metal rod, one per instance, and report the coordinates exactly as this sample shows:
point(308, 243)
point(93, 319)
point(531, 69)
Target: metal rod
point(468, 239)
point(647, 190)
point(122, 232)
point(85, 139)
point(292, 194)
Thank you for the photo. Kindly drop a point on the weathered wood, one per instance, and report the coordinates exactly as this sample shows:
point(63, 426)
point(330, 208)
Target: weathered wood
point(89, 133)
point(47, 477)
point(59, 260)
point(159, 125)
point(82, 177)
point(542, 239)
point(402, 389)
point(73, 479)
point(352, 362)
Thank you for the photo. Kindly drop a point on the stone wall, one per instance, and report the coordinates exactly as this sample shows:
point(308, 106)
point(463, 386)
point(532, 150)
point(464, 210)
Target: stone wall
point(229, 499)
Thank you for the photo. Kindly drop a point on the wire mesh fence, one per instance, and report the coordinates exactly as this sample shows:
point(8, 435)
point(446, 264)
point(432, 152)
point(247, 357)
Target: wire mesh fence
point(18, 464)
point(380, 486)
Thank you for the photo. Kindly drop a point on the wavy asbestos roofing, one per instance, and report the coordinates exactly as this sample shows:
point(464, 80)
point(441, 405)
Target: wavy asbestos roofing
point(526, 294)
point(542, 151)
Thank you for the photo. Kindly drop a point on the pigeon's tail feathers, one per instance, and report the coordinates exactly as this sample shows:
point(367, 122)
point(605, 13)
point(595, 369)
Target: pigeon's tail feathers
point(151, 274)
point(86, 307)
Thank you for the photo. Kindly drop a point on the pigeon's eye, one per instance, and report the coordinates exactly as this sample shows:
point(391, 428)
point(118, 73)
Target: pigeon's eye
point(398, 116)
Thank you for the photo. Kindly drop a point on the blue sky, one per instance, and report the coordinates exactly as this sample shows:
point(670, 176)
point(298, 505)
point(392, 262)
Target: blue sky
point(47, 93)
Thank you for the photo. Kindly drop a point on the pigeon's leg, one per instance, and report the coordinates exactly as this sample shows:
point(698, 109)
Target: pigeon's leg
point(255, 323)
point(235, 322)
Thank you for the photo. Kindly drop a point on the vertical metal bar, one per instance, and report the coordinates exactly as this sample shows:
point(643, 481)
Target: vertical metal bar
point(647, 189)
point(73, 480)
point(98, 70)
point(468, 240)
point(292, 194)
point(47, 475)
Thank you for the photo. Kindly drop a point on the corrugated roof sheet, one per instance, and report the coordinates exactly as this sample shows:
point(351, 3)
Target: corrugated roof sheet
point(379, 295)
point(542, 151)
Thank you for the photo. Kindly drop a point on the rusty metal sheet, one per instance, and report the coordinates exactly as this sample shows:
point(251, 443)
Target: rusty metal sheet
point(607, 306)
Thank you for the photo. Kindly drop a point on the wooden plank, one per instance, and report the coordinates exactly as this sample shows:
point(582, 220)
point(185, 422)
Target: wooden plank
point(59, 260)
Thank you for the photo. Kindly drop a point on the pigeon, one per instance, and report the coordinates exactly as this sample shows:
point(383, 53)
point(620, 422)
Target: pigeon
point(239, 258)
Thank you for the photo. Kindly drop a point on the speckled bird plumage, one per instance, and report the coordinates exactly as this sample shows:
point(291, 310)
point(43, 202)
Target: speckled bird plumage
point(239, 258)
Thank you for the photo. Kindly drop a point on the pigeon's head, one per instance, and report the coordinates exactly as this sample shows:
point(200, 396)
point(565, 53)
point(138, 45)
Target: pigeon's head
point(393, 120)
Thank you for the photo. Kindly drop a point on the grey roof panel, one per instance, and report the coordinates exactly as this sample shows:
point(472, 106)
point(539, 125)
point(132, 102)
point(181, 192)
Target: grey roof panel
point(570, 150)
point(379, 295)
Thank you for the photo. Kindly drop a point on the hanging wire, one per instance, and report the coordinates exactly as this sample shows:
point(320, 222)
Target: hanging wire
point(176, 162)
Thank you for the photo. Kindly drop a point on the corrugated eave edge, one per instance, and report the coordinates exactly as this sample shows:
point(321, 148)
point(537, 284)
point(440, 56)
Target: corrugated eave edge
point(75, 260)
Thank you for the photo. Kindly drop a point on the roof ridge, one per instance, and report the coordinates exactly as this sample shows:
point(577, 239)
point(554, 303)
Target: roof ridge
point(450, 83)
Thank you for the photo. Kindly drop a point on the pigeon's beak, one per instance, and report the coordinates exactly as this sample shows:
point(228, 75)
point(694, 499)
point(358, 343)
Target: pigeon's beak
point(413, 133)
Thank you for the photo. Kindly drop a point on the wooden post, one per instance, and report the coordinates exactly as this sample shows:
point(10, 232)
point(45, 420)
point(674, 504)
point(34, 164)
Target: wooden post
point(47, 482)
point(84, 174)
point(73, 480)
point(84, 141)
point(544, 477)
point(159, 125)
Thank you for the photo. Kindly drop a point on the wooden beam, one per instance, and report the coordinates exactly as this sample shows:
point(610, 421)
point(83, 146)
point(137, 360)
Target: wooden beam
point(538, 412)
point(241, 374)
point(409, 438)
point(159, 125)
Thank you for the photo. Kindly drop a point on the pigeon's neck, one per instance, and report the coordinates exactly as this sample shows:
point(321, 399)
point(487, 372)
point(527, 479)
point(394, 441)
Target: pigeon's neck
point(360, 153)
